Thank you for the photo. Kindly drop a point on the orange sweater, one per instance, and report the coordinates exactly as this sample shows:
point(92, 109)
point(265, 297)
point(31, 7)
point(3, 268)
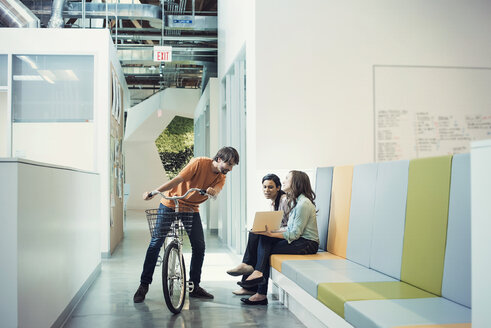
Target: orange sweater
point(197, 174)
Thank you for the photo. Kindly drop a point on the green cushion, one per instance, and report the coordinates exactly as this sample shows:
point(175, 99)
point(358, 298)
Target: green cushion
point(334, 295)
point(426, 223)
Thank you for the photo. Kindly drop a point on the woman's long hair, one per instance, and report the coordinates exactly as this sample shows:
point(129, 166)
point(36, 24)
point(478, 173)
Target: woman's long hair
point(276, 180)
point(299, 185)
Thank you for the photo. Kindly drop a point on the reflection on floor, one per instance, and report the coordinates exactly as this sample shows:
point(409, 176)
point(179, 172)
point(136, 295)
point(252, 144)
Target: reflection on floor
point(109, 301)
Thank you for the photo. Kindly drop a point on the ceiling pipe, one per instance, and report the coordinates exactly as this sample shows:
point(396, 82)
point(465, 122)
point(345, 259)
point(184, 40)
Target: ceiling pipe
point(140, 37)
point(146, 12)
point(14, 13)
point(56, 20)
point(94, 10)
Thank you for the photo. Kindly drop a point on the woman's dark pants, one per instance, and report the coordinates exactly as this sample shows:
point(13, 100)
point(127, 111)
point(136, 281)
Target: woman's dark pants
point(269, 245)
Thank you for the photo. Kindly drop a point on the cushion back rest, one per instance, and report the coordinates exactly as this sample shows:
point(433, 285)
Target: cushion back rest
point(323, 184)
point(426, 223)
point(337, 238)
point(361, 213)
point(389, 218)
point(456, 284)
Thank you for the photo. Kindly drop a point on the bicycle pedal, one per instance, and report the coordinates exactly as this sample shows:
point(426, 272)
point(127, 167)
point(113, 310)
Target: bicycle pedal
point(190, 286)
point(159, 261)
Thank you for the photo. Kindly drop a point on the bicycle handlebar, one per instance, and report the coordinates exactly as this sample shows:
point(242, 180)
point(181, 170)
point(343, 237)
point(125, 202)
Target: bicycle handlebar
point(201, 191)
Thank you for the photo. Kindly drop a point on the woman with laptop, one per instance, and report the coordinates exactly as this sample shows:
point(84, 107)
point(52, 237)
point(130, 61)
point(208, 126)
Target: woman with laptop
point(299, 237)
point(271, 190)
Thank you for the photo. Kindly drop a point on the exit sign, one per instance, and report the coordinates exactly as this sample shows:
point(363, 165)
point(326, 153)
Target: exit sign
point(162, 54)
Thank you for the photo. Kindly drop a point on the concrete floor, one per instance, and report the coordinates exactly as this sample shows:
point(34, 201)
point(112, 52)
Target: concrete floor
point(109, 301)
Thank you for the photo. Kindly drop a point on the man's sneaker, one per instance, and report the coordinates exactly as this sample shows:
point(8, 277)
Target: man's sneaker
point(199, 292)
point(140, 293)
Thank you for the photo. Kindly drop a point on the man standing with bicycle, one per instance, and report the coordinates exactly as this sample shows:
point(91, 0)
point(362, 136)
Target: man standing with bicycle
point(204, 173)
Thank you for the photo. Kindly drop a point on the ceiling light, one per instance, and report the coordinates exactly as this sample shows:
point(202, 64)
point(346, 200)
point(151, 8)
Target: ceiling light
point(68, 74)
point(29, 61)
point(48, 76)
point(27, 78)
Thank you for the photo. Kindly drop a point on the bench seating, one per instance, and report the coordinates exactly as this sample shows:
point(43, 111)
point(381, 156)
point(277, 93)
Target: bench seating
point(397, 251)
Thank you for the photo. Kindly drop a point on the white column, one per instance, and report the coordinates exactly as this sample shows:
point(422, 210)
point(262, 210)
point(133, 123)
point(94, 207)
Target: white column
point(481, 227)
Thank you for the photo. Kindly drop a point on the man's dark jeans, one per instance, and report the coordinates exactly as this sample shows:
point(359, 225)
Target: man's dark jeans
point(197, 239)
point(269, 245)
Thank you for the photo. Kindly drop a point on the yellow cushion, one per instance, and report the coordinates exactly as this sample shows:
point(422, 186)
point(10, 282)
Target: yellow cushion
point(337, 238)
point(334, 295)
point(277, 259)
point(425, 232)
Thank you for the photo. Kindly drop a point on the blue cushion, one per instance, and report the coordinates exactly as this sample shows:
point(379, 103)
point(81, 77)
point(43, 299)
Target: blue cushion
point(456, 284)
point(309, 274)
point(289, 267)
point(389, 217)
point(323, 183)
point(400, 312)
point(309, 279)
point(361, 213)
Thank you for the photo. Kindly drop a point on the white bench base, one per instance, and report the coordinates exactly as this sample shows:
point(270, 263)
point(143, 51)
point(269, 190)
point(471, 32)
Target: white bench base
point(307, 309)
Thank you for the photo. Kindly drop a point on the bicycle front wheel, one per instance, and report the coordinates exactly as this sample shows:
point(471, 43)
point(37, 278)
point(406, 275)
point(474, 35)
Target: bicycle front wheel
point(174, 278)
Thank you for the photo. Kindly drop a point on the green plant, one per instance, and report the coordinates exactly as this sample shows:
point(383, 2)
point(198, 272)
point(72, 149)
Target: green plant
point(175, 145)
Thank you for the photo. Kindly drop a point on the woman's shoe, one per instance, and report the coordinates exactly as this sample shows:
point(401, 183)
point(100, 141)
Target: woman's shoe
point(249, 302)
point(246, 269)
point(251, 283)
point(243, 291)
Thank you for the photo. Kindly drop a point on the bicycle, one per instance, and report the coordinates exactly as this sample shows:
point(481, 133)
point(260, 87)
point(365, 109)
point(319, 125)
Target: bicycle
point(172, 225)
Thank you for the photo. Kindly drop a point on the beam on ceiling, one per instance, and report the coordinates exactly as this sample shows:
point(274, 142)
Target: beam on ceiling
point(138, 37)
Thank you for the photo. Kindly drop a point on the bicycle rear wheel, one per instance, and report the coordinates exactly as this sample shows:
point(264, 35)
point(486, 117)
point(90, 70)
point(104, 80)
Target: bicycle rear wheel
point(174, 278)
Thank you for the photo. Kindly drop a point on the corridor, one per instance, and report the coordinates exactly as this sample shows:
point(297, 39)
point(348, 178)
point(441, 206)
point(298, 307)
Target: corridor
point(109, 301)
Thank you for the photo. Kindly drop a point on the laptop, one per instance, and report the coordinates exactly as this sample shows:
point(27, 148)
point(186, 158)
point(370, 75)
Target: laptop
point(272, 219)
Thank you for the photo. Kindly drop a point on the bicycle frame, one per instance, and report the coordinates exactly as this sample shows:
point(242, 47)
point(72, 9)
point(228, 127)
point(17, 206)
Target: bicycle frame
point(173, 269)
point(177, 227)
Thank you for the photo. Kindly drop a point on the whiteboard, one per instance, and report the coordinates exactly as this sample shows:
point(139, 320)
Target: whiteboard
point(429, 111)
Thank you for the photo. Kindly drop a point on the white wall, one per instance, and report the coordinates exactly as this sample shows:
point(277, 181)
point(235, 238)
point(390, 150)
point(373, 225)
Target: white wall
point(319, 78)
point(145, 122)
point(214, 86)
point(237, 34)
point(33, 140)
point(85, 146)
point(235, 29)
point(8, 241)
point(51, 226)
point(310, 70)
point(144, 172)
point(481, 225)
point(64, 42)
point(210, 96)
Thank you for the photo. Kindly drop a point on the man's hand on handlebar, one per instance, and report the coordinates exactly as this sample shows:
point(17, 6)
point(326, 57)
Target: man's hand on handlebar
point(147, 195)
point(209, 192)
point(212, 192)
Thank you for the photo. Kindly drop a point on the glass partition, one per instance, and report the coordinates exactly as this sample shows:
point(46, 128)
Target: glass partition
point(52, 88)
point(4, 124)
point(233, 133)
point(3, 70)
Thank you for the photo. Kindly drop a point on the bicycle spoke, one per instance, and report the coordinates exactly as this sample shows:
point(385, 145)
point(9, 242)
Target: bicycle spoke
point(174, 278)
